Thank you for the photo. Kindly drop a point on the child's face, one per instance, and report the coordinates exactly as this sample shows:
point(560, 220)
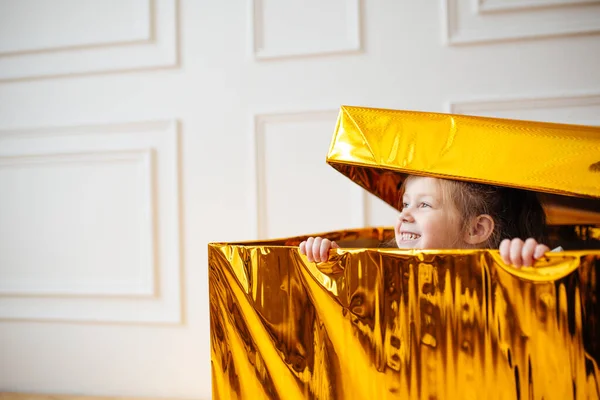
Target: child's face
point(427, 220)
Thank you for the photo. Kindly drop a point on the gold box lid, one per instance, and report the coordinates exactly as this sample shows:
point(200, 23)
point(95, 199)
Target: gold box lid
point(377, 148)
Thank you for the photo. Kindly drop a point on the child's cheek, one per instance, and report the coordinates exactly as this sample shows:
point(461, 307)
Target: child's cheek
point(397, 225)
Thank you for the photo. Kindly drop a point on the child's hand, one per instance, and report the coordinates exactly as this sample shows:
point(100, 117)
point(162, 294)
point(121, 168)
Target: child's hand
point(519, 253)
point(317, 249)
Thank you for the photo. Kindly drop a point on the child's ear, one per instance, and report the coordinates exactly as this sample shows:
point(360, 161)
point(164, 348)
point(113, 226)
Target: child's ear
point(479, 230)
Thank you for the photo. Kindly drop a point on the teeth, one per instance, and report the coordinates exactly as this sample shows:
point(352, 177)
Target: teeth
point(410, 236)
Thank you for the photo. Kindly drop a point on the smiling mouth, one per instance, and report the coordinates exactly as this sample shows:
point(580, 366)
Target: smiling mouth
point(406, 236)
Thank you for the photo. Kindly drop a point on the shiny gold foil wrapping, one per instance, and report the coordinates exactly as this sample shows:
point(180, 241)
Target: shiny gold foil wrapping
point(381, 323)
point(377, 148)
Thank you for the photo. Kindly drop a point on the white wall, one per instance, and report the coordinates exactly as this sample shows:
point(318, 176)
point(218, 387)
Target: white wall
point(134, 132)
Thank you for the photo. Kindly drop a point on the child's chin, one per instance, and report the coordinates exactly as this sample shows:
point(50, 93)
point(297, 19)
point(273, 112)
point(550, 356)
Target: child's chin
point(408, 244)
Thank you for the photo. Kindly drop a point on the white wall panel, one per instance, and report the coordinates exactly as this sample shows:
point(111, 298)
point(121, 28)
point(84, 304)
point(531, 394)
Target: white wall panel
point(492, 6)
point(298, 192)
point(47, 39)
point(90, 223)
point(479, 21)
point(580, 108)
point(77, 224)
point(302, 28)
point(38, 25)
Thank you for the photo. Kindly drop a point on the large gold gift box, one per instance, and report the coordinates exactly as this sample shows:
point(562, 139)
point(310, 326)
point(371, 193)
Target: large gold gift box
point(383, 323)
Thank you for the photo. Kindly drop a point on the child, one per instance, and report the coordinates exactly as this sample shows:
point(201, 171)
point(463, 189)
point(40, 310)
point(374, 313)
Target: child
point(446, 214)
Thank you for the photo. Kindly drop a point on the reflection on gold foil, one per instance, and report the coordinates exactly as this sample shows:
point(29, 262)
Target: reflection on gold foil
point(401, 324)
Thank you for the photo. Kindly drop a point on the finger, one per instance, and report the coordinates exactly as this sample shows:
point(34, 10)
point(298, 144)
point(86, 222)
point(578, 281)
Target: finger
point(334, 245)
point(309, 244)
point(505, 251)
point(303, 248)
point(540, 250)
point(316, 249)
point(325, 246)
point(516, 245)
point(527, 252)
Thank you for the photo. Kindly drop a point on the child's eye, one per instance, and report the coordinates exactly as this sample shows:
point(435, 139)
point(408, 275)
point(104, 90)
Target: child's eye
point(424, 205)
point(404, 205)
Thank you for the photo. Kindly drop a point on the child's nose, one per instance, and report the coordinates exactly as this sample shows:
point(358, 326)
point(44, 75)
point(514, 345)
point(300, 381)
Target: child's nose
point(406, 216)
